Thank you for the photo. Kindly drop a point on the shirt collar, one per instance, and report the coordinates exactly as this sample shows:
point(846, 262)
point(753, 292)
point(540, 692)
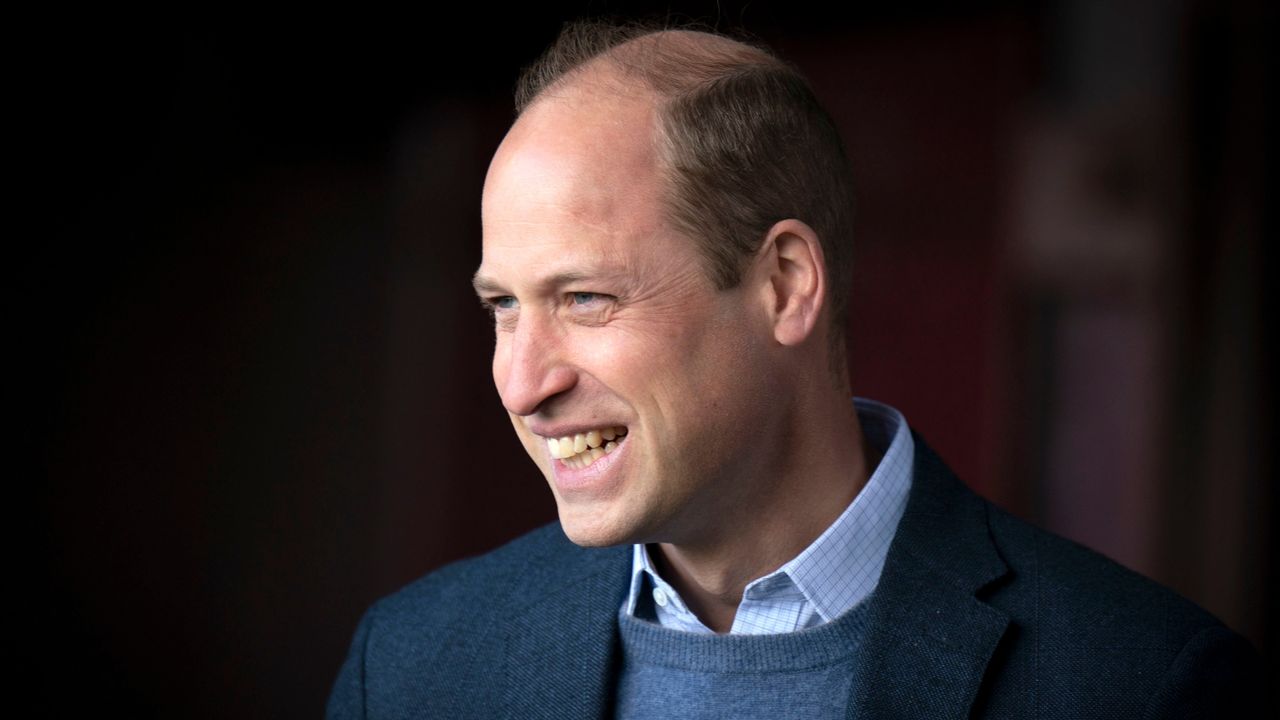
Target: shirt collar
point(840, 568)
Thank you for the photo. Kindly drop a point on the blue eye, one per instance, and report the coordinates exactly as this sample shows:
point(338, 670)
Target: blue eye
point(505, 302)
point(583, 298)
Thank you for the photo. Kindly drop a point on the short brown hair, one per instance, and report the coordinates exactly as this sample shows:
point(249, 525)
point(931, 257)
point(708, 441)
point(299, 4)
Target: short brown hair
point(745, 142)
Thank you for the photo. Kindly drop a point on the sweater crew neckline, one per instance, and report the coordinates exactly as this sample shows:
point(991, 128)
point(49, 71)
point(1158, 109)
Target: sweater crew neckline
point(649, 643)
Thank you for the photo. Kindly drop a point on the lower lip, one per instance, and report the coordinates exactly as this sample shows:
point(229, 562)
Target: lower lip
point(591, 478)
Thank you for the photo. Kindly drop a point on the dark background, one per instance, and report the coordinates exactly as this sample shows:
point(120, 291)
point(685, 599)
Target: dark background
point(256, 383)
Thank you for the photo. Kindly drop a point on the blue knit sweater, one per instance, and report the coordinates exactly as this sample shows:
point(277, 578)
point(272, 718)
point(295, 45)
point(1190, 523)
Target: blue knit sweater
point(672, 674)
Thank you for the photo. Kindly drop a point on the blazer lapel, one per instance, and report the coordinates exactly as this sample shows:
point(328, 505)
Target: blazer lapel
point(929, 637)
point(568, 672)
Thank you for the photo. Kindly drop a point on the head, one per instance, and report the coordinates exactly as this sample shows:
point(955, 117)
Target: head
point(656, 261)
point(743, 143)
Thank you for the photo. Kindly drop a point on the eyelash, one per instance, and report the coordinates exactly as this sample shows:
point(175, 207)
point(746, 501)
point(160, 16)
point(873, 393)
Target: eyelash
point(582, 298)
point(573, 297)
point(494, 304)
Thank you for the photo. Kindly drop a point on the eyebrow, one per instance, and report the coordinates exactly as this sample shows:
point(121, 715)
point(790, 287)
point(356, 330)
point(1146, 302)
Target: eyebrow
point(484, 284)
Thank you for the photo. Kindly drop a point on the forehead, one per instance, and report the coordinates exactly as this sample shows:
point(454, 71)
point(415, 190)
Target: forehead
point(577, 178)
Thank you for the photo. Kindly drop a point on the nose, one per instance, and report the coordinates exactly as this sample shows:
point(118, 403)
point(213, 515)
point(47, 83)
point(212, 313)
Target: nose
point(530, 367)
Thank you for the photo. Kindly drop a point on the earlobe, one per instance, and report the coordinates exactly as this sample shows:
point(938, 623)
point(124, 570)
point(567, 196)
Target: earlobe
point(797, 276)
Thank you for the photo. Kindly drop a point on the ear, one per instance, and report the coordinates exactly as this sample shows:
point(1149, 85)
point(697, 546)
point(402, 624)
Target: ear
point(795, 274)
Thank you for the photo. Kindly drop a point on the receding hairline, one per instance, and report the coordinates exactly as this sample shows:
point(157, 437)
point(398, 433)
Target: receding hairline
point(667, 62)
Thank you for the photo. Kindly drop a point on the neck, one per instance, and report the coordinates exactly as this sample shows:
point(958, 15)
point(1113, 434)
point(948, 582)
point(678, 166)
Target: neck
point(826, 465)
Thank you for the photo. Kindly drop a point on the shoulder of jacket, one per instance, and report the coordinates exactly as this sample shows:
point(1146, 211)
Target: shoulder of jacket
point(528, 565)
point(1081, 593)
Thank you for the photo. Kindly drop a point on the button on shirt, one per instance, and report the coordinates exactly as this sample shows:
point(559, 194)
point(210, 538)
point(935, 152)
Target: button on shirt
point(835, 573)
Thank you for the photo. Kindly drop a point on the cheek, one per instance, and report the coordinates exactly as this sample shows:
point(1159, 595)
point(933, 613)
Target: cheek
point(619, 357)
point(728, 379)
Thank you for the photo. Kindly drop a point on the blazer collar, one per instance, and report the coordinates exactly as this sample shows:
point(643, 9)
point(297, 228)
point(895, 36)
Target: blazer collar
point(930, 638)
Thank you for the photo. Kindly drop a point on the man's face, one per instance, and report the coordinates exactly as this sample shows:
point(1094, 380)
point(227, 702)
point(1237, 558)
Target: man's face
point(607, 323)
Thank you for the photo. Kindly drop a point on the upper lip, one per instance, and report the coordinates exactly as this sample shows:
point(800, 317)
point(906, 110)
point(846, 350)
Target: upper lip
point(566, 430)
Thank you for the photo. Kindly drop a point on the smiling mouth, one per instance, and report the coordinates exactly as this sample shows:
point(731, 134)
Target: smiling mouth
point(581, 450)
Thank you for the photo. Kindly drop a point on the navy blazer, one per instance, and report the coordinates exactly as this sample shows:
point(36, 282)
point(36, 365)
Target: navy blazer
point(977, 614)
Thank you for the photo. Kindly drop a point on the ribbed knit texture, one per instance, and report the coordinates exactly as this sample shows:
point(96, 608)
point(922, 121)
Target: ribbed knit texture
point(672, 674)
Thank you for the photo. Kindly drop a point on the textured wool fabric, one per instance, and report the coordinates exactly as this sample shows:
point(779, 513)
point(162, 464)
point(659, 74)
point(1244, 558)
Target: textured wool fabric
point(836, 571)
point(977, 615)
point(809, 674)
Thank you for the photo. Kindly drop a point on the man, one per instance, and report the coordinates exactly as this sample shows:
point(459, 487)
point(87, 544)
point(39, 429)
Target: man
point(666, 230)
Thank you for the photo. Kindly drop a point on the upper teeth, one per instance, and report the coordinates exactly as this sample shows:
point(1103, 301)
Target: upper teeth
point(566, 447)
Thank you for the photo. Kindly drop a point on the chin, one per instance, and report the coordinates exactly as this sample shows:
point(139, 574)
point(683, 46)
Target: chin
point(591, 532)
